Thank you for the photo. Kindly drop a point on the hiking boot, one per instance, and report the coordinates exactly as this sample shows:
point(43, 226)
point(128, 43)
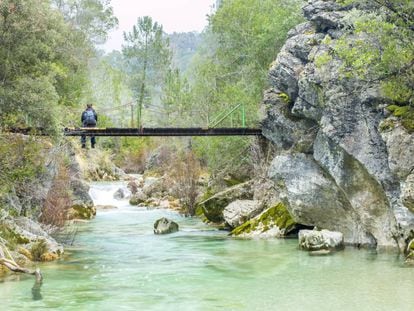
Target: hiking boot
point(93, 146)
point(83, 146)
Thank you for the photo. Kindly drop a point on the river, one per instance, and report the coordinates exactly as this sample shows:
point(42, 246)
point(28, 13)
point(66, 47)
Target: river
point(117, 263)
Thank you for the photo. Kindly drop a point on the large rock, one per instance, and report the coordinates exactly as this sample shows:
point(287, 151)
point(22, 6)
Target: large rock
point(153, 187)
point(313, 240)
point(239, 211)
point(119, 194)
point(165, 226)
point(82, 204)
point(366, 196)
point(28, 233)
point(214, 206)
point(274, 222)
point(313, 199)
point(138, 197)
point(337, 168)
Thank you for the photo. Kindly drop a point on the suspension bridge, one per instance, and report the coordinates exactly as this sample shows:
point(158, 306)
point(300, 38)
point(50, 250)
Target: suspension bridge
point(211, 130)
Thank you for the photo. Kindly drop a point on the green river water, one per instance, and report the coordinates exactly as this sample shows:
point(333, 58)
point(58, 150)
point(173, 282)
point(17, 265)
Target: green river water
point(117, 263)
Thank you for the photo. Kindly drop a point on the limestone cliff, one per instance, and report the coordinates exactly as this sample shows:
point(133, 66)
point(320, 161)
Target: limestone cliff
point(336, 167)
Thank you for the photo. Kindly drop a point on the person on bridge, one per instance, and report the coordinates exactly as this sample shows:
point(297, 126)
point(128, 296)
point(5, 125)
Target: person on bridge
point(89, 119)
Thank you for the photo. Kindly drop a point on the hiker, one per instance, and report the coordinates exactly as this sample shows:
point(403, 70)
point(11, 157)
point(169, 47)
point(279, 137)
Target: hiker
point(89, 119)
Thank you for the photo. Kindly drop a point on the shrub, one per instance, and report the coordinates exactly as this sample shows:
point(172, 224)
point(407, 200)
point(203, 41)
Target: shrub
point(58, 200)
point(185, 173)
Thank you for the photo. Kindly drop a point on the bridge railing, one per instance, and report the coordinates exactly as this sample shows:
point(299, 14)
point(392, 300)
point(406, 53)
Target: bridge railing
point(229, 114)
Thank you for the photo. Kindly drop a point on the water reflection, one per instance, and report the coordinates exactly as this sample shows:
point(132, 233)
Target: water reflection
point(36, 290)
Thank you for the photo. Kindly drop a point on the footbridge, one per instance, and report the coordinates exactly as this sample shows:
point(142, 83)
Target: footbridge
point(160, 132)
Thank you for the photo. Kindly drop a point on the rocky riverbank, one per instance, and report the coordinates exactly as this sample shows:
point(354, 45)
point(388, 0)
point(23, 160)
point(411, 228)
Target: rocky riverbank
point(58, 197)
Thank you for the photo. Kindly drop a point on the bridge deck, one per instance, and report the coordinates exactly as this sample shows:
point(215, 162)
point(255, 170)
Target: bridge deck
point(162, 131)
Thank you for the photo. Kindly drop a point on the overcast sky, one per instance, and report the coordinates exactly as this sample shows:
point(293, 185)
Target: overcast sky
point(174, 15)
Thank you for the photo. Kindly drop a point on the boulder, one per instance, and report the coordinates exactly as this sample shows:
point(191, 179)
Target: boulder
point(313, 199)
point(82, 204)
point(313, 240)
point(29, 233)
point(84, 212)
point(165, 226)
point(138, 197)
point(239, 211)
point(214, 206)
point(119, 194)
point(133, 186)
point(274, 222)
point(153, 187)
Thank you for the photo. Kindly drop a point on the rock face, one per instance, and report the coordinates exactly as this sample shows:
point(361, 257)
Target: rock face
point(313, 240)
point(335, 167)
point(214, 206)
point(165, 226)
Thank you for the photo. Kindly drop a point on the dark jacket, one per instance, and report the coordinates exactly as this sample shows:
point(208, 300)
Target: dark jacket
point(83, 118)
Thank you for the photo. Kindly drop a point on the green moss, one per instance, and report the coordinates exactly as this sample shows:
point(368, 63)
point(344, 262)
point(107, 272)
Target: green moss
point(213, 209)
point(208, 194)
point(408, 124)
point(276, 215)
point(406, 114)
point(83, 212)
point(13, 238)
point(392, 108)
point(401, 111)
point(285, 97)
point(232, 181)
point(38, 249)
point(387, 125)
point(323, 59)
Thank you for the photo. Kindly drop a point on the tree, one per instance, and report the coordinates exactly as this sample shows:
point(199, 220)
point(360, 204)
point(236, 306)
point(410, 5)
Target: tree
point(91, 17)
point(31, 38)
point(382, 51)
point(148, 55)
point(176, 99)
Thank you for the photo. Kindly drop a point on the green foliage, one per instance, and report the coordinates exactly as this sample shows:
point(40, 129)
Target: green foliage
point(382, 48)
point(177, 100)
point(20, 162)
point(183, 47)
point(231, 67)
point(94, 18)
point(147, 52)
point(222, 154)
point(44, 63)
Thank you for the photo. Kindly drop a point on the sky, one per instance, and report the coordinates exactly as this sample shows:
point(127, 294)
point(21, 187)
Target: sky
point(174, 15)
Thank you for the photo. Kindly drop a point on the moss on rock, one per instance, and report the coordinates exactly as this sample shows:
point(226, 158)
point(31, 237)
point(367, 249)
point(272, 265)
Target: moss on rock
point(275, 216)
point(406, 114)
point(82, 211)
point(12, 237)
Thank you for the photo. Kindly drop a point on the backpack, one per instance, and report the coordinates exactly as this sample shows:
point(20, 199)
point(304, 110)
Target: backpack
point(89, 117)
